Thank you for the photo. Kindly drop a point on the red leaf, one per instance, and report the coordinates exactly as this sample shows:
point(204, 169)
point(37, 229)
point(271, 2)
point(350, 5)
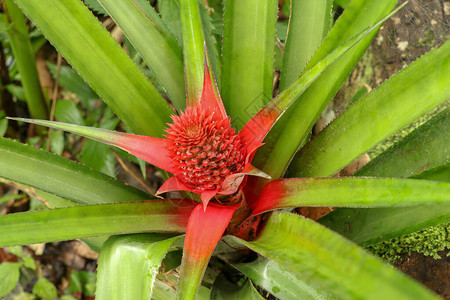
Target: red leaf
point(204, 230)
point(172, 184)
point(271, 196)
point(210, 100)
point(257, 128)
point(152, 150)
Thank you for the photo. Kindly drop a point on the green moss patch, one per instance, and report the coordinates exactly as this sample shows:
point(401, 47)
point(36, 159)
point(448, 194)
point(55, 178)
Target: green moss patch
point(429, 242)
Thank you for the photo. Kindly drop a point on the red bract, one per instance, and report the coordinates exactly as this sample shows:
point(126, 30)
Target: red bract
point(204, 150)
point(201, 149)
point(206, 157)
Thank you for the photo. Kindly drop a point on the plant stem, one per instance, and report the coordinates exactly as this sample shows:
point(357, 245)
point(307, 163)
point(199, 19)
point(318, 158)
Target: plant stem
point(24, 57)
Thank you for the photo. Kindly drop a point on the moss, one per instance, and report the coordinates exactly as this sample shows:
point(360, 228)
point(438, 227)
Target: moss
point(428, 242)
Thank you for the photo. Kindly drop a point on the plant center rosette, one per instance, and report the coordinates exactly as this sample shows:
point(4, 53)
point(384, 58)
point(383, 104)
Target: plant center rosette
point(205, 150)
point(207, 156)
point(201, 149)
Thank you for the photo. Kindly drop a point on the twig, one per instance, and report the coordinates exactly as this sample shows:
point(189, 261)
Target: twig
point(125, 167)
point(26, 189)
point(54, 95)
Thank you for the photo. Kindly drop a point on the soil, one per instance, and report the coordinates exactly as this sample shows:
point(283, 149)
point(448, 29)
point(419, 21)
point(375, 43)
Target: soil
point(413, 31)
point(433, 273)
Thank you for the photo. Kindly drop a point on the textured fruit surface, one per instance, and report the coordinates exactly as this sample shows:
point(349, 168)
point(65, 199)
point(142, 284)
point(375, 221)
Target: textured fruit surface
point(204, 148)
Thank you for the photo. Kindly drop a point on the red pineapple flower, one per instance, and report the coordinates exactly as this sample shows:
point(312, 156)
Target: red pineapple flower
point(206, 157)
point(201, 149)
point(204, 149)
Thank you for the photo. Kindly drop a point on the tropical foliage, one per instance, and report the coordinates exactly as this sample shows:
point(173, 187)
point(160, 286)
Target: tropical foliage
point(238, 160)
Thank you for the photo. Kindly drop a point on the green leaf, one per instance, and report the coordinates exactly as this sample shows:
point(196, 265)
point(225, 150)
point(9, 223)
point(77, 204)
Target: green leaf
point(82, 281)
point(290, 131)
point(351, 192)
point(441, 173)
point(61, 176)
point(4, 27)
point(95, 6)
point(248, 55)
point(95, 243)
point(424, 148)
point(211, 42)
point(280, 282)
point(44, 288)
point(9, 276)
point(172, 260)
point(342, 3)
point(99, 157)
point(257, 128)
point(193, 49)
point(93, 220)
point(308, 24)
point(57, 142)
point(3, 124)
point(24, 57)
point(17, 91)
point(371, 226)
point(310, 250)
point(71, 81)
point(151, 38)
point(163, 291)
point(28, 261)
point(225, 290)
point(282, 30)
point(393, 105)
point(89, 48)
point(16, 250)
point(54, 201)
point(170, 14)
point(8, 197)
point(128, 265)
point(67, 111)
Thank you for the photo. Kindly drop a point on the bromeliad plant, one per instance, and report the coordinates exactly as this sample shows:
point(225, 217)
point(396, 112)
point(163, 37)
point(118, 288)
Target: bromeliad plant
point(230, 181)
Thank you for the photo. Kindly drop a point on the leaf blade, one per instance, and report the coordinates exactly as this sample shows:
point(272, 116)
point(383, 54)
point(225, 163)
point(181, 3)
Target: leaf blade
point(308, 24)
point(128, 265)
point(223, 289)
point(408, 155)
point(193, 49)
point(93, 220)
point(47, 171)
point(86, 45)
point(248, 53)
point(279, 281)
point(376, 225)
point(199, 245)
point(305, 248)
point(423, 149)
point(24, 58)
point(287, 135)
point(351, 192)
point(383, 117)
point(9, 275)
point(150, 149)
point(159, 49)
point(257, 128)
